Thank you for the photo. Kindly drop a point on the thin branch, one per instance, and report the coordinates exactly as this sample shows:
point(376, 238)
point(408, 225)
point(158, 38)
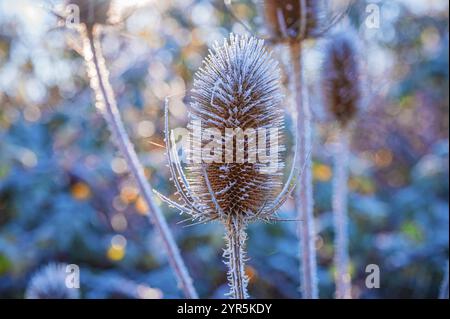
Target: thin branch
point(229, 8)
point(172, 203)
point(181, 183)
point(303, 195)
point(106, 103)
point(340, 216)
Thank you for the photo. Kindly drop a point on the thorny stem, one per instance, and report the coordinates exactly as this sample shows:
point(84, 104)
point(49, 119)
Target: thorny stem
point(340, 215)
point(106, 103)
point(303, 193)
point(235, 237)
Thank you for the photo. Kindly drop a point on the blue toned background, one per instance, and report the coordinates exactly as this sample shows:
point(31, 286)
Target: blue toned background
point(65, 194)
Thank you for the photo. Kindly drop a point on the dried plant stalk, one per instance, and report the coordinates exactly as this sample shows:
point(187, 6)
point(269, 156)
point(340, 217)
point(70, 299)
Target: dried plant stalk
point(234, 254)
point(342, 92)
point(304, 201)
point(106, 103)
point(340, 216)
point(291, 22)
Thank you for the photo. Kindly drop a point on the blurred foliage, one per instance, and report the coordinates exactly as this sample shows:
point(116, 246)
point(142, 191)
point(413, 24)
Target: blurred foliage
point(65, 196)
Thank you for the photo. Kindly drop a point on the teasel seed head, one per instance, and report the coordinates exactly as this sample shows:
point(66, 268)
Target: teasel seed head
point(293, 20)
point(341, 78)
point(50, 283)
point(238, 87)
point(93, 12)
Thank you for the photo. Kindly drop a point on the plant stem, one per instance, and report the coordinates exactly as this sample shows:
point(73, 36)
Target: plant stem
point(235, 237)
point(304, 194)
point(340, 215)
point(106, 103)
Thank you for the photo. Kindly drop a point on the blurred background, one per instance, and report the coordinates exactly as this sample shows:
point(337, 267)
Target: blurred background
point(65, 195)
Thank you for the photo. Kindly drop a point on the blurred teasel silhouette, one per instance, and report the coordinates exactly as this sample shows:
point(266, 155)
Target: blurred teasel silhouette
point(50, 283)
point(341, 78)
point(342, 96)
point(91, 13)
point(293, 20)
point(238, 87)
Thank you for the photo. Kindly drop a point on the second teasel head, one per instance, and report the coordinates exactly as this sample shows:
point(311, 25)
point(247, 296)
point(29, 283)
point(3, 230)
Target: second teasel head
point(293, 20)
point(341, 79)
point(93, 12)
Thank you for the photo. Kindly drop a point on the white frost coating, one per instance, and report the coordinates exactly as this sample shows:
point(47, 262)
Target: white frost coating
point(340, 216)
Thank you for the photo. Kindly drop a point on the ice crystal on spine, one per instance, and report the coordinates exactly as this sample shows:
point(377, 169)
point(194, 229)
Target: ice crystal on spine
point(341, 82)
point(237, 88)
point(50, 283)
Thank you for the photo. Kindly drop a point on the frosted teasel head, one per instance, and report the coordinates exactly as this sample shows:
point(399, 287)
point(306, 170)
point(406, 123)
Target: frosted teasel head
point(293, 20)
point(89, 12)
point(238, 88)
point(341, 77)
point(50, 283)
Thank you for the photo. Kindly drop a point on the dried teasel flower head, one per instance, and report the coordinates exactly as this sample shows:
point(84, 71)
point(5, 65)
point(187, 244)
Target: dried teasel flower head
point(50, 283)
point(237, 88)
point(341, 78)
point(293, 20)
point(92, 12)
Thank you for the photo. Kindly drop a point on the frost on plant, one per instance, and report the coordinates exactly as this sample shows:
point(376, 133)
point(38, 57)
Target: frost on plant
point(238, 87)
point(50, 283)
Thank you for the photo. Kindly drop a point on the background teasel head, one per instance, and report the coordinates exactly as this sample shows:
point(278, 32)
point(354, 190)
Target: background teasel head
point(293, 20)
point(93, 12)
point(237, 88)
point(50, 283)
point(341, 78)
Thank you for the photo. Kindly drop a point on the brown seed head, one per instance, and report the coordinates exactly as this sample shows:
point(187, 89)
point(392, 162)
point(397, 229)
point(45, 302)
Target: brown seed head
point(341, 82)
point(238, 88)
point(93, 12)
point(291, 20)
